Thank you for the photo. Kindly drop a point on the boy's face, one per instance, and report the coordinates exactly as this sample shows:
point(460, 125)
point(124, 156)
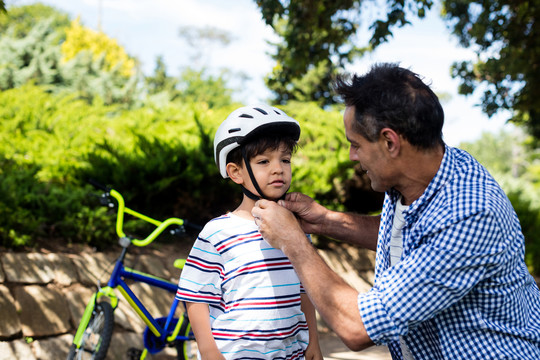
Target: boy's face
point(272, 170)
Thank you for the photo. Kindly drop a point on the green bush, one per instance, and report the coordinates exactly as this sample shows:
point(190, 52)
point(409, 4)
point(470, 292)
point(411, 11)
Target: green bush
point(159, 157)
point(34, 211)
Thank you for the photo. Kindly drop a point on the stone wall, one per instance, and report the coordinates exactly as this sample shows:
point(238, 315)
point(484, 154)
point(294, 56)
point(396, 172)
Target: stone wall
point(43, 295)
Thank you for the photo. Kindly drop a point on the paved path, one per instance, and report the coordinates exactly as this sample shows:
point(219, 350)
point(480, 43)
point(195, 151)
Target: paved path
point(334, 349)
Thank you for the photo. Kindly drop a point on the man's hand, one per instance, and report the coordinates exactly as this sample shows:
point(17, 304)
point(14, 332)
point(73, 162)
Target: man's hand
point(311, 215)
point(278, 225)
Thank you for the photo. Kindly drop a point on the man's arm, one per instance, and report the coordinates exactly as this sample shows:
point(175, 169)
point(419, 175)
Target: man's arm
point(335, 300)
point(360, 230)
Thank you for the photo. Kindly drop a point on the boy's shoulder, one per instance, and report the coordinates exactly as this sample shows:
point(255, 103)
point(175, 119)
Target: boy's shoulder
point(225, 223)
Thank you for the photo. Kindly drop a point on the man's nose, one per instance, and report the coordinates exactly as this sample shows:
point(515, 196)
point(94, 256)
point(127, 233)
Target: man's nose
point(353, 156)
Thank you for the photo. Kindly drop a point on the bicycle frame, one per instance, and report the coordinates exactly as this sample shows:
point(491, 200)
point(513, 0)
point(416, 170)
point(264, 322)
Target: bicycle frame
point(121, 273)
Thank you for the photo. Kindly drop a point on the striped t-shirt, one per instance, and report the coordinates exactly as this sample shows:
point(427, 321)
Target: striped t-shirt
point(251, 288)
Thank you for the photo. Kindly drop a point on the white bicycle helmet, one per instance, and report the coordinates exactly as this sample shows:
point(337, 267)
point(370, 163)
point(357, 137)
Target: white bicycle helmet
point(246, 123)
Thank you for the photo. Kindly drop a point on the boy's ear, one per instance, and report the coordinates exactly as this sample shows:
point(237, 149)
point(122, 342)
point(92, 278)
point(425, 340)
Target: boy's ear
point(234, 173)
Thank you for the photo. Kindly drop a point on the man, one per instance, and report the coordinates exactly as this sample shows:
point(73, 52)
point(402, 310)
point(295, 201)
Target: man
point(450, 277)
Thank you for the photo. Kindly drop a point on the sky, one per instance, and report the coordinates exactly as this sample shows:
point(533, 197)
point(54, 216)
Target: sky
point(150, 28)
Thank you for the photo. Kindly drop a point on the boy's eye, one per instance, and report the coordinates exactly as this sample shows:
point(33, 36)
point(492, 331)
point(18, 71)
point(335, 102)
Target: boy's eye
point(287, 161)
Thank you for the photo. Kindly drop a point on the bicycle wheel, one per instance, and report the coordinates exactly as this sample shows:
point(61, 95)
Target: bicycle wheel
point(186, 349)
point(97, 335)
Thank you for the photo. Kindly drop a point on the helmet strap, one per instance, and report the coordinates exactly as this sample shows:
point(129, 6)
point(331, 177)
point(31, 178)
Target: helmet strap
point(252, 177)
point(248, 193)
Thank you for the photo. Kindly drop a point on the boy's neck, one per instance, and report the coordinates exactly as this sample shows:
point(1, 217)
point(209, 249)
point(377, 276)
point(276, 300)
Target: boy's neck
point(244, 209)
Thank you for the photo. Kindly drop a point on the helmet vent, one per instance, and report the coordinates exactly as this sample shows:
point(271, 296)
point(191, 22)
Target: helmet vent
point(234, 130)
point(261, 111)
point(246, 116)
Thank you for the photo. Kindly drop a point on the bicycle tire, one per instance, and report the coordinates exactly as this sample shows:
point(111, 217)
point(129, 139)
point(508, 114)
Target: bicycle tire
point(184, 349)
point(97, 335)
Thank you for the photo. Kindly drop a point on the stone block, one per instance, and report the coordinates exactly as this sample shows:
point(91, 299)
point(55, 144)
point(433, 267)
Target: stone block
point(77, 297)
point(93, 268)
point(43, 311)
point(121, 342)
point(10, 324)
point(52, 348)
point(17, 349)
point(27, 268)
point(154, 265)
point(64, 271)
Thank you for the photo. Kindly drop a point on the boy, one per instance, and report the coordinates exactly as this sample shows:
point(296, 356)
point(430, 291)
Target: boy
point(244, 300)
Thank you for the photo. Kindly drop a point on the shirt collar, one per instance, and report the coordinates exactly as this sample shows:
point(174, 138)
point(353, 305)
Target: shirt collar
point(442, 176)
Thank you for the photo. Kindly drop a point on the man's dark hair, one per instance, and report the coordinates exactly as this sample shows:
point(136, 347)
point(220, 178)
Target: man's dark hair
point(260, 145)
point(393, 97)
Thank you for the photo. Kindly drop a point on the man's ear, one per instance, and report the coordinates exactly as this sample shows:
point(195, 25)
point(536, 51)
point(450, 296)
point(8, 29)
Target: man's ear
point(235, 173)
point(392, 141)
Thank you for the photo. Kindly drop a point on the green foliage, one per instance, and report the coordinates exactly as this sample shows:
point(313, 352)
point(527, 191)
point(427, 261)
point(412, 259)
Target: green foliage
point(35, 57)
point(318, 40)
point(192, 86)
point(506, 37)
point(159, 157)
point(160, 81)
point(20, 20)
point(199, 86)
point(114, 57)
point(529, 217)
point(501, 153)
point(322, 162)
point(33, 52)
point(33, 210)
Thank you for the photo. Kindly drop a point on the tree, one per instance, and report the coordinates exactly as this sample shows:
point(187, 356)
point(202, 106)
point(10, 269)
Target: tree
point(196, 86)
point(506, 38)
point(80, 38)
point(64, 56)
point(160, 81)
point(34, 57)
point(22, 19)
point(319, 40)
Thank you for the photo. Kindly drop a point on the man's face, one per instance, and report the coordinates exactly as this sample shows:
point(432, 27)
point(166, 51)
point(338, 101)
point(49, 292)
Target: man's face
point(371, 155)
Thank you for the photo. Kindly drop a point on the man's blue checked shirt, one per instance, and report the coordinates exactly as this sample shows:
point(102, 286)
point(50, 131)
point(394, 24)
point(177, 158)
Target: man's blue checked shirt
point(461, 289)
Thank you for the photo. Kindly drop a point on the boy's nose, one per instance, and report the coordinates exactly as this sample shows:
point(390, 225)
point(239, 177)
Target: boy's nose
point(278, 168)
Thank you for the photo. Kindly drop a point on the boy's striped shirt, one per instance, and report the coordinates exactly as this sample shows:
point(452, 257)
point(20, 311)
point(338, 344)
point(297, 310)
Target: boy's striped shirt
point(252, 290)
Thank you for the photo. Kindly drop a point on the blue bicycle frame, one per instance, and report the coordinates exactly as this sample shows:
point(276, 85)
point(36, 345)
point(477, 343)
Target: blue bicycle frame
point(162, 330)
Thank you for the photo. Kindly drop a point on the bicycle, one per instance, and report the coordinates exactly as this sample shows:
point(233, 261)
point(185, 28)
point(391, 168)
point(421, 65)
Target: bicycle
point(95, 330)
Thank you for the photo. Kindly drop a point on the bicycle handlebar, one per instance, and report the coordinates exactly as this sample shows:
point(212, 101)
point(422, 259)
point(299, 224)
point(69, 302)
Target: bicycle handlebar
point(122, 209)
